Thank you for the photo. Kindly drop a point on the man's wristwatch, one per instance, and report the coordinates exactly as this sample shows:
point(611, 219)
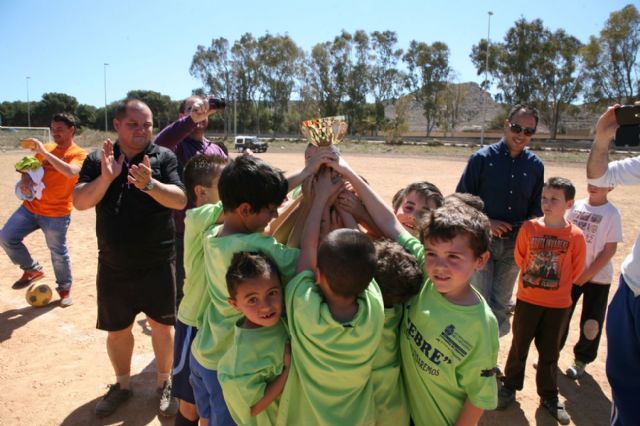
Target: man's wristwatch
point(149, 185)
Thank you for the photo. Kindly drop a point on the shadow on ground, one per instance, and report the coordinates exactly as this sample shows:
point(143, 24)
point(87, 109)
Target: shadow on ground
point(140, 409)
point(13, 319)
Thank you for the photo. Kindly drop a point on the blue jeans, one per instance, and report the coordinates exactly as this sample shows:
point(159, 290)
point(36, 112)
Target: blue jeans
point(496, 280)
point(22, 223)
point(623, 355)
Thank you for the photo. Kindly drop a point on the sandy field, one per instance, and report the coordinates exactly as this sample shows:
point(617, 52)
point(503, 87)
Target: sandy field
point(53, 362)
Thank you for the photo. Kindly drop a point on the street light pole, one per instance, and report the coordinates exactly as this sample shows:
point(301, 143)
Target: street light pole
point(106, 125)
point(28, 104)
point(486, 69)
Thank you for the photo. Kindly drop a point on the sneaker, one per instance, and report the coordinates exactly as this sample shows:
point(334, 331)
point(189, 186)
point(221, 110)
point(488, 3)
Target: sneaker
point(576, 370)
point(556, 409)
point(27, 278)
point(505, 397)
point(65, 298)
point(112, 400)
point(168, 403)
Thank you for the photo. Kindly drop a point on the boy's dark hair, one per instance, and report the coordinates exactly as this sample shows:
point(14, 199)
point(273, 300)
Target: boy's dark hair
point(524, 109)
point(125, 104)
point(246, 266)
point(63, 117)
point(466, 198)
point(247, 179)
point(426, 189)
point(397, 272)
point(453, 219)
point(563, 184)
point(201, 170)
point(347, 259)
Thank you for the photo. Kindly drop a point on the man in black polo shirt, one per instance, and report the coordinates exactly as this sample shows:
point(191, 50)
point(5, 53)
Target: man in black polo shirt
point(509, 180)
point(133, 185)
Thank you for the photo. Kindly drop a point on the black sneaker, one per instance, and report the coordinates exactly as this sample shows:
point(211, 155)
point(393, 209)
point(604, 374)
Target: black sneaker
point(506, 396)
point(168, 403)
point(112, 400)
point(556, 409)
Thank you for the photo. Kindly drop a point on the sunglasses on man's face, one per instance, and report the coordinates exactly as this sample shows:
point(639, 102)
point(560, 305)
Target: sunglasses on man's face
point(516, 128)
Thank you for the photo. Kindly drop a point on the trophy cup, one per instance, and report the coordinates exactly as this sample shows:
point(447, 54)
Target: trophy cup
point(325, 131)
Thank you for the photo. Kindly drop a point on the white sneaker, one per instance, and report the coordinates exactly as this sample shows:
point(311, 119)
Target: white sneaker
point(65, 298)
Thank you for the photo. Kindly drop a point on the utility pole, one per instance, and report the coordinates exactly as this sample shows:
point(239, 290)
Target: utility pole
point(486, 69)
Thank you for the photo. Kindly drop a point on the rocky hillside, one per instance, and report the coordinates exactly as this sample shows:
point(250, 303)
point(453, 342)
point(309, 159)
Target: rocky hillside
point(578, 121)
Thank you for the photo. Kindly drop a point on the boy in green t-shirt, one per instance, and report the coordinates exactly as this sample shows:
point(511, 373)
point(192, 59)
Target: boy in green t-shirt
point(250, 191)
point(254, 370)
point(399, 277)
point(335, 325)
point(201, 175)
point(448, 337)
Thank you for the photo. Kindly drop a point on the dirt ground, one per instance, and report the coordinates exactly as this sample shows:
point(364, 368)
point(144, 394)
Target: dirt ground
point(53, 362)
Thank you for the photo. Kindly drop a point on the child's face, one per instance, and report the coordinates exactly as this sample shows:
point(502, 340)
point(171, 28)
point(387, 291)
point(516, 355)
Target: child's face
point(597, 194)
point(412, 208)
point(259, 300)
point(257, 221)
point(554, 203)
point(450, 265)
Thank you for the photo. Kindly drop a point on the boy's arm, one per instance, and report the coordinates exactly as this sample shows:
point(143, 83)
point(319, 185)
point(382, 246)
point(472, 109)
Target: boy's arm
point(321, 157)
point(598, 263)
point(520, 252)
point(470, 414)
point(382, 215)
point(579, 254)
point(323, 190)
point(274, 389)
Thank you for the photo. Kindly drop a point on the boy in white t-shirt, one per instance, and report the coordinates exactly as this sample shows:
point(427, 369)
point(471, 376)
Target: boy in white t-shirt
point(601, 224)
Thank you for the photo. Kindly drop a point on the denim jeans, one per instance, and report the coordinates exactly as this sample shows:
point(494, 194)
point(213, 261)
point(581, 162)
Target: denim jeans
point(22, 223)
point(496, 280)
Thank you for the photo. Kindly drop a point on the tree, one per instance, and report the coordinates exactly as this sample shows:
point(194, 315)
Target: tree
point(534, 66)
point(385, 78)
point(13, 113)
point(163, 109)
point(451, 100)
point(329, 65)
point(281, 59)
point(52, 103)
point(560, 80)
point(427, 76)
point(611, 60)
point(357, 81)
point(86, 115)
point(246, 75)
point(213, 67)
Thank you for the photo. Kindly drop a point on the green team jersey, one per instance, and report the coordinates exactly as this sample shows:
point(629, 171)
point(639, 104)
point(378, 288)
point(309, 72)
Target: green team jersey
point(254, 360)
point(448, 352)
point(330, 379)
point(215, 331)
point(389, 396)
point(197, 221)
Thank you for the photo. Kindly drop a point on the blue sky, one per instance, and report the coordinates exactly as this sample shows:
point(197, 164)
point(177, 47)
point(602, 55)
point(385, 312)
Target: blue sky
point(62, 45)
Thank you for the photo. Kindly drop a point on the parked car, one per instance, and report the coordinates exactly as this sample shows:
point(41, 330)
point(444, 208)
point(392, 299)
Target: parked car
point(250, 142)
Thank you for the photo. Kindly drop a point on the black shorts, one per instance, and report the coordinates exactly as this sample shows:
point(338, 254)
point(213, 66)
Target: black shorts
point(124, 293)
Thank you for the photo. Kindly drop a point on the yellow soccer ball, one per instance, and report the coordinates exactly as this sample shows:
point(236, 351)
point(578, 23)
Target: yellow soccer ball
point(38, 295)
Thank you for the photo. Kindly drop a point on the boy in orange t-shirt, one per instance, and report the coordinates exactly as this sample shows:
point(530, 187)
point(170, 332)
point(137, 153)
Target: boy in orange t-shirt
point(52, 212)
point(551, 254)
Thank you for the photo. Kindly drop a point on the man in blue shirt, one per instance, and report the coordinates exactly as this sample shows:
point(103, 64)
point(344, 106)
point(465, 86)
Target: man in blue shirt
point(509, 180)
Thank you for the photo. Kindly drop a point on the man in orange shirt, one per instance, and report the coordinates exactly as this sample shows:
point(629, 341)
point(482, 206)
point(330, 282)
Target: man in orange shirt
point(51, 212)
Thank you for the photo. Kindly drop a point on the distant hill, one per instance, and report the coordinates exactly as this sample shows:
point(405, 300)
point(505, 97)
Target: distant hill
point(578, 121)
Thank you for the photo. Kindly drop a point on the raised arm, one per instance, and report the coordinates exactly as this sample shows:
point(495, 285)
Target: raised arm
point(321, 157)
point(606, 127)
point(68, 170)
point(382, 215)
point(324, 188)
